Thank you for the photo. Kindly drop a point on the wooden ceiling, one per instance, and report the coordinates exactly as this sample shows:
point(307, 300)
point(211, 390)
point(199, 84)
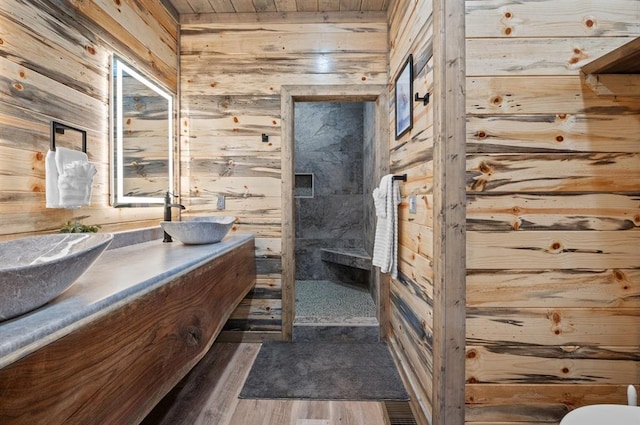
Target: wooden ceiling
point(265, 6)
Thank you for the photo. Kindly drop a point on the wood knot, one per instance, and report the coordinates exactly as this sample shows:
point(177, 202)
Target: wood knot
point(213, 85)
point(472, 380)
point(91, 50)
point(516, 225)
point(559, 138)
point(1, 41)
point(556, 246)
point(364, 78)
point(508, 15)
point(562, 116)
point(589, 22)
point(39, 156)
point(18, 86)
point(37, 188)
point(555, 317)
point(636, 219)
point(565, 370)
point(485, 169)
point(496, 100)
point(516, 210)
point(274, 122)
point(619, 275)
point(508, 31)
point(225, 105)
point(481, 134)
point(193, 337)
point(472, 354)
point(557, 331)
point(22, 74)
point(236, 120)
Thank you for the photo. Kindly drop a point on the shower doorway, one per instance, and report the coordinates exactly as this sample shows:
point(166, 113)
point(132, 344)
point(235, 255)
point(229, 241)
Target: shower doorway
point(333, 156)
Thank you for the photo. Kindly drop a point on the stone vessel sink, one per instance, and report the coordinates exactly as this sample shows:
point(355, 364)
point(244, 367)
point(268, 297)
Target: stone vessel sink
point(201, 230)
point(35, 270)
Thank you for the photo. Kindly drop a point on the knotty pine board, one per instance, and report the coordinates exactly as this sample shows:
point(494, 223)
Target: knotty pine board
point(544, 18)
point(513, 288)
point(550, 133)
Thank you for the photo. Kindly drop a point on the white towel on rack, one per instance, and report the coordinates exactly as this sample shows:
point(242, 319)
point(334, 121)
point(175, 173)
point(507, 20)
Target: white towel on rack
point(75, 184)
point(385, 250)
point(69, 178)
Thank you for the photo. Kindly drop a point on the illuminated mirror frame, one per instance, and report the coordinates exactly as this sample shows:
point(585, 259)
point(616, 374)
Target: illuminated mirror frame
point(118, 197)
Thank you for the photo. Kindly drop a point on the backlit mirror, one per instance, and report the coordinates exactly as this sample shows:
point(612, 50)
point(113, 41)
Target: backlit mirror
point(142, 142)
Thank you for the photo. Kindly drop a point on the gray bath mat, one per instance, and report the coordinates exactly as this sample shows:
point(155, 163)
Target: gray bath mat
point(324, 371)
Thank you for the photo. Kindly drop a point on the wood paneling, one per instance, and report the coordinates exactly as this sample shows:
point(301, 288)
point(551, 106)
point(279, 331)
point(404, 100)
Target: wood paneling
point(233, 70)
point(412, 293)
point(270, 6)
point(449, 235)
point(552, 212)
point(54, 65)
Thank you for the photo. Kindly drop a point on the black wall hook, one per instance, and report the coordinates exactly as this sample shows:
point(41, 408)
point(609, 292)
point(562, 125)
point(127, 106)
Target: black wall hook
point(424, 99)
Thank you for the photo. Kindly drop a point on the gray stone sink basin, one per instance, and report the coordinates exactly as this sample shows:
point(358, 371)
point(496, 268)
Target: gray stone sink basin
point(200, 230)
point(35, 270)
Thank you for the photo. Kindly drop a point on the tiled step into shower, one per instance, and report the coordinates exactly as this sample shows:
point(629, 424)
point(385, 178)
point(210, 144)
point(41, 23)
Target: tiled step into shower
point(332, 311)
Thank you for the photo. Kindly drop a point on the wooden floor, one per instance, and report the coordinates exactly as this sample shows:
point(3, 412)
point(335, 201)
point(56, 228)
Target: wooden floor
point(209, 395)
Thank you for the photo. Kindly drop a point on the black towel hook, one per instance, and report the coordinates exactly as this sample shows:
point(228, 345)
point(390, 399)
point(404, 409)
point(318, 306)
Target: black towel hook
point(425, 99)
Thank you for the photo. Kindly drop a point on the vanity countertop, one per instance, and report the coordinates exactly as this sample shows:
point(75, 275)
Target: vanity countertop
point(118, 276)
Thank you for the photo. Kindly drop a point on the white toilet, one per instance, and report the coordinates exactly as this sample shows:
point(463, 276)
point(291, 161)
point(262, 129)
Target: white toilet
point(606, 414)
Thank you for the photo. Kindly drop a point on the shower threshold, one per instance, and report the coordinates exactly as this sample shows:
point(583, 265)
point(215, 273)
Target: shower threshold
point(331, 311)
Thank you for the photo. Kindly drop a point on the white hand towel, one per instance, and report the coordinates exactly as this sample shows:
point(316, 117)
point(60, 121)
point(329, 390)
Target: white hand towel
point(65, 156)
point(385, 250)
point(74, 178)
point(75, 184)
point(51, 181)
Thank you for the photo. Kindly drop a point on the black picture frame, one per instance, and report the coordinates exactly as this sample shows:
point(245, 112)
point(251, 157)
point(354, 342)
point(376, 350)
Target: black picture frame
point(404, 98)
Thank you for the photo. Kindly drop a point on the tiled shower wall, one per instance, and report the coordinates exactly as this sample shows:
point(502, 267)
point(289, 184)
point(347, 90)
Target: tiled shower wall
point(329, 143)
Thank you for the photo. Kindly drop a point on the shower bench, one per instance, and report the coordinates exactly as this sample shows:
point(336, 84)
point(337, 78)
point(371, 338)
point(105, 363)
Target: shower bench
point(353, 257)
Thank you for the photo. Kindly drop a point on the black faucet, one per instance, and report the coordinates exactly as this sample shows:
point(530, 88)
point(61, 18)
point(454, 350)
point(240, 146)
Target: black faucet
point(167, 213)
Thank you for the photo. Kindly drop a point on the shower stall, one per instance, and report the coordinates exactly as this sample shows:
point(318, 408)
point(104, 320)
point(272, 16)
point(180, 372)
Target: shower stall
point(334, 221)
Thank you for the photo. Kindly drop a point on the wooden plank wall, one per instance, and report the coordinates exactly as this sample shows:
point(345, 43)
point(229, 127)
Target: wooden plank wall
point(232, 70)
point(412, 295)
point(553, 212)
point(55, 60)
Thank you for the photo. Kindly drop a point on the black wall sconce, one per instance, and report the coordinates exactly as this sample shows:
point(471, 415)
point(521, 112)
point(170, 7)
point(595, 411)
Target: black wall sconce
point(424, 99)
point(59, 128)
